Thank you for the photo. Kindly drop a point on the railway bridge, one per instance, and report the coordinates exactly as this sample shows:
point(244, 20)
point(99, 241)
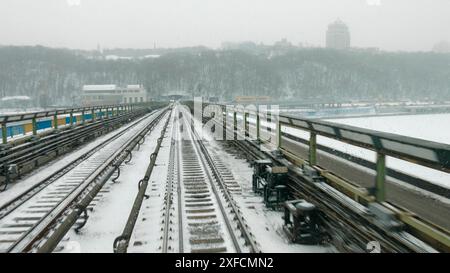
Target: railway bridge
point(161, 177)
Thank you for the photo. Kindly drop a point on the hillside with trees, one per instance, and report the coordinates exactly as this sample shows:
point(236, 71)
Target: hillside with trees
point(56, 76)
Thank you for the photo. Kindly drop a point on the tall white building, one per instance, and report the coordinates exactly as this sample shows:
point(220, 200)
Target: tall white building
point(338, 35)
point(106, 94)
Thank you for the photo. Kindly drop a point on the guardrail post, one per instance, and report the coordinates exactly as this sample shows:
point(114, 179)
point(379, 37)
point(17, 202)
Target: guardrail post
point(257, 125)
point(93, 115)
point(246, 131)
point(4, 133)
point(71, 119)
point(34, 125)
point(83, 119)
point(55, 121)
point(234, 124)
point(278, 133)
point(380, 190)
point(312, 148)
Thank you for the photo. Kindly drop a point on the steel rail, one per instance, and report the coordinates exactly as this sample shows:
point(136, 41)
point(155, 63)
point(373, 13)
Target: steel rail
point(46, 234)
point(168, 197)
point(174, 167)
point(16, 202)
point(179, 191)
point(207, 160)
point(84, 201)
point(121, 242)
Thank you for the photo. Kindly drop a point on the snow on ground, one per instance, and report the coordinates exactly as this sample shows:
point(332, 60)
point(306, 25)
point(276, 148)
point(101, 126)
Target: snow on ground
point(111, 212)
point(147, 233)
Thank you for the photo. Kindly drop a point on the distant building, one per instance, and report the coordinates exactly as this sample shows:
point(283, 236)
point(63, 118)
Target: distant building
point(15, 102)
point(252, 99)
point(112, 94)
point(338, 35)
point(175, 95)
point(283, 43)
point(442, 47)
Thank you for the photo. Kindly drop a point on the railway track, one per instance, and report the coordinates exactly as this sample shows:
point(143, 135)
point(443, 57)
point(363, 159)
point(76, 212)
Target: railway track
point(349, 223)
point(26, 157)
point(38, 219)
point(16, 202)
point(208, 219)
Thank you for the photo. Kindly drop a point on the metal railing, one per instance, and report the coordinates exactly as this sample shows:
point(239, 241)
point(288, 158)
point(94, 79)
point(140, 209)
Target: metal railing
point(418, 151)
point(85, 113)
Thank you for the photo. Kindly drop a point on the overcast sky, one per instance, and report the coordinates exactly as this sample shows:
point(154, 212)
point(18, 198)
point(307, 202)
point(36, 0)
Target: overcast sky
point(412, 25)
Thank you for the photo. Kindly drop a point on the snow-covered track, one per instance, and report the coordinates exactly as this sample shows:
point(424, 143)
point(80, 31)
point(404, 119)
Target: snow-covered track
point(40, 220)
point(16, 202)
point(209, 220)
point(120, 244)
point(28, 156)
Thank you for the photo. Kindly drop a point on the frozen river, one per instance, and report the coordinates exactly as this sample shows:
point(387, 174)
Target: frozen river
point(433, 127)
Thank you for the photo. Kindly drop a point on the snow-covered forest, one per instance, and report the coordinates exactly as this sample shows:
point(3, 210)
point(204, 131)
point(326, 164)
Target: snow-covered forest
point(55, 76)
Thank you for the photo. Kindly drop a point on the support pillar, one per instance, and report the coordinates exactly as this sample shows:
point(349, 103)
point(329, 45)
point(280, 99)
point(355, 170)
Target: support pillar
point(4, 134)
point(257, 126)
point(34, 125)
point(380, 190)
point(55, 121)
point(312, 149)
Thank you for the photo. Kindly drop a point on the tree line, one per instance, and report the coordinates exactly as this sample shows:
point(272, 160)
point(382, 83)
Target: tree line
point(57, 75)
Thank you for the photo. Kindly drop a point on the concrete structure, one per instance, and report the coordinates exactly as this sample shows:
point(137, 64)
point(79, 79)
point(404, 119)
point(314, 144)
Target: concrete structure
point(338, 35)
point(112, 94)
point(175, 95)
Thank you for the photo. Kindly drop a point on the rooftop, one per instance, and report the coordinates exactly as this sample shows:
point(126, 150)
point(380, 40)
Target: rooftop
point(15, 98)
point(99, 87)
